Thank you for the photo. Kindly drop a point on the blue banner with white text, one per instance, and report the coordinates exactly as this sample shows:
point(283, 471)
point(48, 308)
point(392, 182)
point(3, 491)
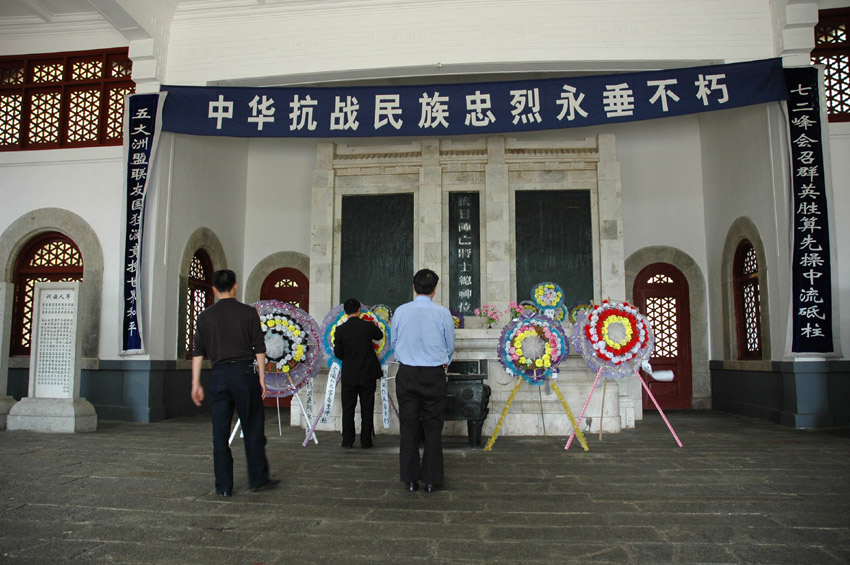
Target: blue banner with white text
point(811, 269)
point(142, 124)
point(473, 108)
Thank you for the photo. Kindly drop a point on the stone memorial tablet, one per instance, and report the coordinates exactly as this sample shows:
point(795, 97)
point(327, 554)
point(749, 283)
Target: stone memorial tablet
point(554, 242)
point(376, 259)
point(54, 403)
point(464, 252)
point(54, 342)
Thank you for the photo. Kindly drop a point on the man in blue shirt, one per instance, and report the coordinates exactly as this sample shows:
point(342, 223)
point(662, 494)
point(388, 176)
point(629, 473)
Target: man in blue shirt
point(423, 337)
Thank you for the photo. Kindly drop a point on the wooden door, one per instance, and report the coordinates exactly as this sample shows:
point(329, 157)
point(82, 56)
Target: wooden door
point(292, 287)
point(661, 293)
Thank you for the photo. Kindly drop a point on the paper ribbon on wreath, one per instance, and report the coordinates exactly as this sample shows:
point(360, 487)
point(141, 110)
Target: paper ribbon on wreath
point(308, 410)
point(330, 390)
point(385, 398)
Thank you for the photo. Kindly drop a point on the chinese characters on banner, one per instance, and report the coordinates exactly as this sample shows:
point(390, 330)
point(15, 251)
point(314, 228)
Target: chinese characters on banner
point(475, 108)
point(464, 252)
point(811, 289)
point(141, 131)
point(56, 342)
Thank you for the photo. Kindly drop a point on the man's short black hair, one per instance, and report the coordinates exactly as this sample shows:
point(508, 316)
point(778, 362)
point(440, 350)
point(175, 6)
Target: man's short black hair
point(224, 280)
point(351, 306)
point(425, 281)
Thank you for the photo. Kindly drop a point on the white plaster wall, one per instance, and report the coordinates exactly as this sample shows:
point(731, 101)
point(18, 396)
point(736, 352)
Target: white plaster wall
point(744, 175)
point(280, 175)
point(48, 38)
point(201, 183)
point(358, 38)
point(86, 182)
point(839, 146)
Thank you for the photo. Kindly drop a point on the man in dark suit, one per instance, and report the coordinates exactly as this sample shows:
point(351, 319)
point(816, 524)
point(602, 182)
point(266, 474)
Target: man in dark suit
point(360, 371)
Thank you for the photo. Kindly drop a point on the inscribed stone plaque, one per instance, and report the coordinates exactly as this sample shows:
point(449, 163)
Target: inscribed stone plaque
point(54, 351)
point(464, 252)
point(554, 242)
point(376, 263)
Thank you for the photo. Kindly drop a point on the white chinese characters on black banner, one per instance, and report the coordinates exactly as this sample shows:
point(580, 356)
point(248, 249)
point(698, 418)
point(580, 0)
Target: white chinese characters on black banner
point(811, 273)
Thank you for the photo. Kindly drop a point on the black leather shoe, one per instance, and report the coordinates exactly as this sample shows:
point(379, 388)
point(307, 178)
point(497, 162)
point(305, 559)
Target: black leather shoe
point(430, 487)
point(224, 493)
point(412, 486)
point(346, 445)
point(366, 446)
point(268, 485)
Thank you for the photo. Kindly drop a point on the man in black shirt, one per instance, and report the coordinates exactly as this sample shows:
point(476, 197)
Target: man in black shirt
point(228, 332)
point(360, 370)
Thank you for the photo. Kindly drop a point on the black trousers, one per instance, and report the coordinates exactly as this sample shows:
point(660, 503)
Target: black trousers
point(422, 397)
point(235, 385)
point(366, 394)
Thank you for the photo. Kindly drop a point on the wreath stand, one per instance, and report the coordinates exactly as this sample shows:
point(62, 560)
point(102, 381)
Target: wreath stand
point(587, 401)
point(279, 426)
point(576, 430)
point(312, 428)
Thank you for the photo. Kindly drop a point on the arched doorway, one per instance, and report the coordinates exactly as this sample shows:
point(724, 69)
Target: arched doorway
point(50, 256)
point(661, 293)
point(292, 287)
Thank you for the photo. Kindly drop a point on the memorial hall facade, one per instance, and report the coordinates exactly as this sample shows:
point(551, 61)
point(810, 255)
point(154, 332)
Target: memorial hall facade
point(691, 218)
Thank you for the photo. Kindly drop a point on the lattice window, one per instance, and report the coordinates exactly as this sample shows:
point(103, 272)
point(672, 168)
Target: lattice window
point(286, 283)
point(751, 322)
point(44, 117)
point(83, 117)
point(47, 72)
point(115, 112)
point(199, 295)
point(63, 99)
point(747, 301)
point(120, 67)
point(751, 262)
point(662, 315)
point(10, 119)
point(659, 278)
point(832, 50)
point(12, 72)
point(91, 69)
point(49, 257)
point(56, 253)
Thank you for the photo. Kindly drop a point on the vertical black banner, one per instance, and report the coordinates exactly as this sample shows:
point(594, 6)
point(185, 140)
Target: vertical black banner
point(811, 299)
point(142, 126)
point(464, 252)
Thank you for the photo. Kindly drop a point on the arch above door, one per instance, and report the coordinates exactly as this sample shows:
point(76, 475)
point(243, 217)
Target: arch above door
point(254, 281)
point(287, 285)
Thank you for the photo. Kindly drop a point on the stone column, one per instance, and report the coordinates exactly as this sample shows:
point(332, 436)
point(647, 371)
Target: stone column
point(321, 232)
point(6, 402)
point(612, 270)
point(612, 261)
point(497, 229)
point(430, 215)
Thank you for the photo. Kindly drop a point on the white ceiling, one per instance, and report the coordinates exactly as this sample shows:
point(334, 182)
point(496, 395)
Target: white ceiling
point(41, 11)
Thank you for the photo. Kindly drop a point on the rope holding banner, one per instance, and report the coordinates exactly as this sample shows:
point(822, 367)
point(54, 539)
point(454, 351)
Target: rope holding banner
point(493, 437)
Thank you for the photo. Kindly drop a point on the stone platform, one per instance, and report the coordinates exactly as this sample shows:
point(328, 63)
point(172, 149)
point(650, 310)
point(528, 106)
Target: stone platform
point(740, 491)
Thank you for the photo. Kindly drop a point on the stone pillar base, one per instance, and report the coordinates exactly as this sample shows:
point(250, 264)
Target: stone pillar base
point(6, 403)
point(63, 415)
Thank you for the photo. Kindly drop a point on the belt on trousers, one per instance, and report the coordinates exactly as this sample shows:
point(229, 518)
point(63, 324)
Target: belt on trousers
point(234, 361)
point(422, 366)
